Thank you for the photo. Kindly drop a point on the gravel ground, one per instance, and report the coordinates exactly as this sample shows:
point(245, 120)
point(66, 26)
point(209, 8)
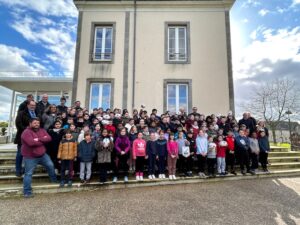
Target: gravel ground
point(259, 201)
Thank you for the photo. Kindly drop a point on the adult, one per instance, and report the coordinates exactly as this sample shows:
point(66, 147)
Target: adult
point(195, 111)
point(248, 121)
point(42, 105)
point(23, 105)
point(33, 150)
point(49, 117)
point(62, 107)
point(77, 106)
point(22, 122)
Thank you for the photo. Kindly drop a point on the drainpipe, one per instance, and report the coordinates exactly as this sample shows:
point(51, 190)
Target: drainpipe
point(133, 59)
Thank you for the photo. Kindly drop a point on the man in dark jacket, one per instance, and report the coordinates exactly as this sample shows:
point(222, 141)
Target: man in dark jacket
point(62, 107)
point(22, 122)
point(242, 146)
point(42, 105)
point(248, 121)
point(33, 149)
point(23, 105)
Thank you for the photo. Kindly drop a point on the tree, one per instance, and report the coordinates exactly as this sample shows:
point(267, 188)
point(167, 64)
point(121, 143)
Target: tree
point(272, 100)
point(3, 124)
point(3, 129)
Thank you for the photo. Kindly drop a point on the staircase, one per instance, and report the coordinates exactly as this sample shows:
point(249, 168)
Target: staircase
point(283, 162)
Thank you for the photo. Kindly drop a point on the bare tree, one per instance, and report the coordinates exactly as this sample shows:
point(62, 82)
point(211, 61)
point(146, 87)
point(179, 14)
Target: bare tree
point(272, 100)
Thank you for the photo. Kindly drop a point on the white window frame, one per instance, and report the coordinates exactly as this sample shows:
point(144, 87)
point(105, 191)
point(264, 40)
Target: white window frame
point(102, 56)
point(177, 106)
point(100, 84)
point(177, 58)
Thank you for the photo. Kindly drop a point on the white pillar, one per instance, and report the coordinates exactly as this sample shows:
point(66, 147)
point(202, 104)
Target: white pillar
point(11, 116)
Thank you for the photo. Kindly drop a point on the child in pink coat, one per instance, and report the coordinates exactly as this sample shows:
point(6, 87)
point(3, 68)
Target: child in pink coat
point(172, 156)
point(139, 155)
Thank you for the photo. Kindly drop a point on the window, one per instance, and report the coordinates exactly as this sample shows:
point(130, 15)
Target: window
point(103, 43)
point(177, 97)
point(177, 43)
point(100, 94)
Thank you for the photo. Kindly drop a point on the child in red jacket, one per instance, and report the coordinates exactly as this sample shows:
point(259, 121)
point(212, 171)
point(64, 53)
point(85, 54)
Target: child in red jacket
point(230, 157)
point(221, 154)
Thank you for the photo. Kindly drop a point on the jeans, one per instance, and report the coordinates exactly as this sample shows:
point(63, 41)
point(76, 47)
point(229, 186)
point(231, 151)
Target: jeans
point(103, 168)
point(139, 164)
point(221, 164)
point(151, 164)
point(211, 163)
point(161, 164)
point(201, 163)
point(66, 165)
point(30, 165)
point(88, 167)
point(254, 161)
point(243, 157)
point(172, 165)
point(19, 159)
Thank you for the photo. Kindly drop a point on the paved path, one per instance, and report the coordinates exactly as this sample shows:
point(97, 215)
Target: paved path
point(259, 201)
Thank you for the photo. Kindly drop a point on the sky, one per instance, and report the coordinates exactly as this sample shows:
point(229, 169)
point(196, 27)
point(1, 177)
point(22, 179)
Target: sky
point(41, 35)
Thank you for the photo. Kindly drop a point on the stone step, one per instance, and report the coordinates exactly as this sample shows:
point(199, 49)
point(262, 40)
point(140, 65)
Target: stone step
point(283, 159)
point(8, 190)
point(284, 165)
point(279, 149)
point(284, 154)
point(9, 169)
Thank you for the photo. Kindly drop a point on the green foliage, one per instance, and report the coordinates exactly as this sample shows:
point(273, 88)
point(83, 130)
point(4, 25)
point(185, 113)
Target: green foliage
point(3, 129)
point(3, 124)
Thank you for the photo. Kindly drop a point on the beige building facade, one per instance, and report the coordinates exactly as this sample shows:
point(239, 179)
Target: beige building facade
point(164, 54)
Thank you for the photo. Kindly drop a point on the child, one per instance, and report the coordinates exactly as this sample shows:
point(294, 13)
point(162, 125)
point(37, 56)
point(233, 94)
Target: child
point(211, 156)
point(264, 147)
point(182, 143)
point(104, 145)
point(132, 137)
point(172, 156)
point(139, 155)
point(97, 132)
point(162, 152)
point(122, 146)
point(52, 147)
point(67, 152)
point(189, 159)
point(221, 154)
point(230, 156)
point(202, 146)
point(254, 151)
point(82, 132)
point(151, 149)
point(86, 154)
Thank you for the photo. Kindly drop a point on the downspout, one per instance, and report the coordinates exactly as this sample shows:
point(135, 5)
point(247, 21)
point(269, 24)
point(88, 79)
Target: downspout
point(133, 56)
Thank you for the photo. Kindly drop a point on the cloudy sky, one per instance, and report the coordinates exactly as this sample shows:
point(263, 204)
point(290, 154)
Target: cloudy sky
point(40, 36)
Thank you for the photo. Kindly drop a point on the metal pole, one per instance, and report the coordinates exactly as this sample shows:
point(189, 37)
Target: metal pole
point(11, 116)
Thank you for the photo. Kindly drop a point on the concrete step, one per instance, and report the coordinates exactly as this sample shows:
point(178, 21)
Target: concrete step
point(285, 154)
point(9, 169)
point(284, 165)
point(283, 159)
point(8, 190)
point(279, 149)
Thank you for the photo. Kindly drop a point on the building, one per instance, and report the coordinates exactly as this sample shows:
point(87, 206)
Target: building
point(36, 83)
point(164, 54)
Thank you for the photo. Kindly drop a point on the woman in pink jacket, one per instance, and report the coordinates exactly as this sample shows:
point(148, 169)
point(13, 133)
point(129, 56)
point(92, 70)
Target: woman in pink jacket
point(139, 155)
point(172, 156)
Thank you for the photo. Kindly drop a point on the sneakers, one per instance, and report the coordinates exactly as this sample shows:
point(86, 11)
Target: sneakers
point(137, 178)
point(153, 177)
point(62, 184)
point(126, 179)
point(163, 176)
point(115, 179)
point(82, 181)
point(70, 183)
point(141, 178)
point(234, 173)
point(174, 177)
point(171, 177)
point(201, 175)
point(28, 195)
point(150, 177)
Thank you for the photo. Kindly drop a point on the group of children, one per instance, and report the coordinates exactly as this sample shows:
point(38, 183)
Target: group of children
point(183, 143)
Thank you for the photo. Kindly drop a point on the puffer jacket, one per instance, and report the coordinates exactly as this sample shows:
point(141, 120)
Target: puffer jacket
point(104, 147)
point(86, 151)
point(67, 150)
